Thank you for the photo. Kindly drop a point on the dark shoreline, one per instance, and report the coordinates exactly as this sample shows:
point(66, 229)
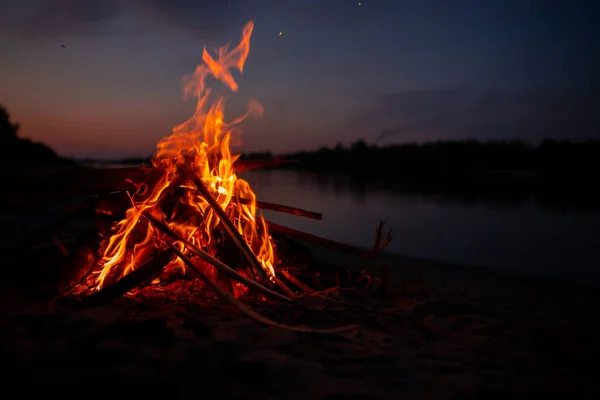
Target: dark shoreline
point(444, 333)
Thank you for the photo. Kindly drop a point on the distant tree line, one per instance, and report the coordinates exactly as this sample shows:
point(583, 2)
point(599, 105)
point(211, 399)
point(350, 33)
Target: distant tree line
point(21, 153)
point(444, 159)
point(556, 174)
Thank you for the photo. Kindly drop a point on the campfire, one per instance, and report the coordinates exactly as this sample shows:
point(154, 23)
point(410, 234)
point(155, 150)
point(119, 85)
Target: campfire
point(190, 217)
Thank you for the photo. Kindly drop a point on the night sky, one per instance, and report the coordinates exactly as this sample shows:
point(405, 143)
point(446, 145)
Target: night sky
point(387, 71)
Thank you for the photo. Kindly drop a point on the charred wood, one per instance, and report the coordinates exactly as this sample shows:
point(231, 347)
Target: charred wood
point(135, 278)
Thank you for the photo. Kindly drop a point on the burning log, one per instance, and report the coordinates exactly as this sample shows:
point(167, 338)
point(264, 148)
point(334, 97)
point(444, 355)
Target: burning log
point(233, 232)
point(247, 165)
point(133, 279)
point(296, 282)
point(230, 272)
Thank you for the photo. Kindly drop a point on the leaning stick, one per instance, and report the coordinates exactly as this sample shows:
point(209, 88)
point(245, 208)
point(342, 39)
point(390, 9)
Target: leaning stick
point(223, 294)
point(135, 278)
point(215, 262)
point(247, 165)
point(281, 208)
point(235, 235)
point(296, 282)
point(358, 251)
point(282, 285)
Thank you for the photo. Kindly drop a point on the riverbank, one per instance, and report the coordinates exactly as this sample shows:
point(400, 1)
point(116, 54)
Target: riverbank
point(444, 333)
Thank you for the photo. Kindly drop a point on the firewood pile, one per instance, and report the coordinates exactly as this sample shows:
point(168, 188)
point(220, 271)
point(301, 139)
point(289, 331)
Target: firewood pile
point(189, 217)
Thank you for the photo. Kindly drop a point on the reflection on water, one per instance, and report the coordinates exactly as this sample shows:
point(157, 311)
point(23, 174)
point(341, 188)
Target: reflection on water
point(512, 232)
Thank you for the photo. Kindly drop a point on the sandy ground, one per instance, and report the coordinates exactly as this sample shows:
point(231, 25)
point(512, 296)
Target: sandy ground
point(445, 333)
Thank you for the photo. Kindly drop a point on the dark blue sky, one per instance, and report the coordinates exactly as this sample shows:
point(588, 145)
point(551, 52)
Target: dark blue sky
point(386, 71)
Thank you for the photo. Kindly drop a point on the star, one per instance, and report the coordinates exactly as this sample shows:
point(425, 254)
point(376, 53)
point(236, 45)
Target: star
point(280, 33)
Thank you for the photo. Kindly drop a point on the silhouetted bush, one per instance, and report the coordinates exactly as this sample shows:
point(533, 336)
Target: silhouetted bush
point(20, 152)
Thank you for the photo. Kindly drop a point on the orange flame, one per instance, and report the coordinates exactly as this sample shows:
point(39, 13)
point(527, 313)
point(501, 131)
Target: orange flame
point(202, 141)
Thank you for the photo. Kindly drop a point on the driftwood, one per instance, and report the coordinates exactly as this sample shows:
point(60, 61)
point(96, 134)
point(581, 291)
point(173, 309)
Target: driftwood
point(23, 189)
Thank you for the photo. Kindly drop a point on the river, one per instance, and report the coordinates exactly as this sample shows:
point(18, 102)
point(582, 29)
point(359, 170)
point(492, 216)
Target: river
point(517, 236)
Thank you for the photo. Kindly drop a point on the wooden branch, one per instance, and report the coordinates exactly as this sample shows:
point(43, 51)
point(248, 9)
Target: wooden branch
point(281, 208)
point(296, 282)
point(247, 165)
point(133, 279)
point(229, 227)
point(357, 251)
point(220, 266)
point(283, 286)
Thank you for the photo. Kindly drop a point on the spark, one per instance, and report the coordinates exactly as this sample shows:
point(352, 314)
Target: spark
point(280, 33)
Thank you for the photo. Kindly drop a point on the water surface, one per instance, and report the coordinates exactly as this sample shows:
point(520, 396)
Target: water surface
point(517, 236)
